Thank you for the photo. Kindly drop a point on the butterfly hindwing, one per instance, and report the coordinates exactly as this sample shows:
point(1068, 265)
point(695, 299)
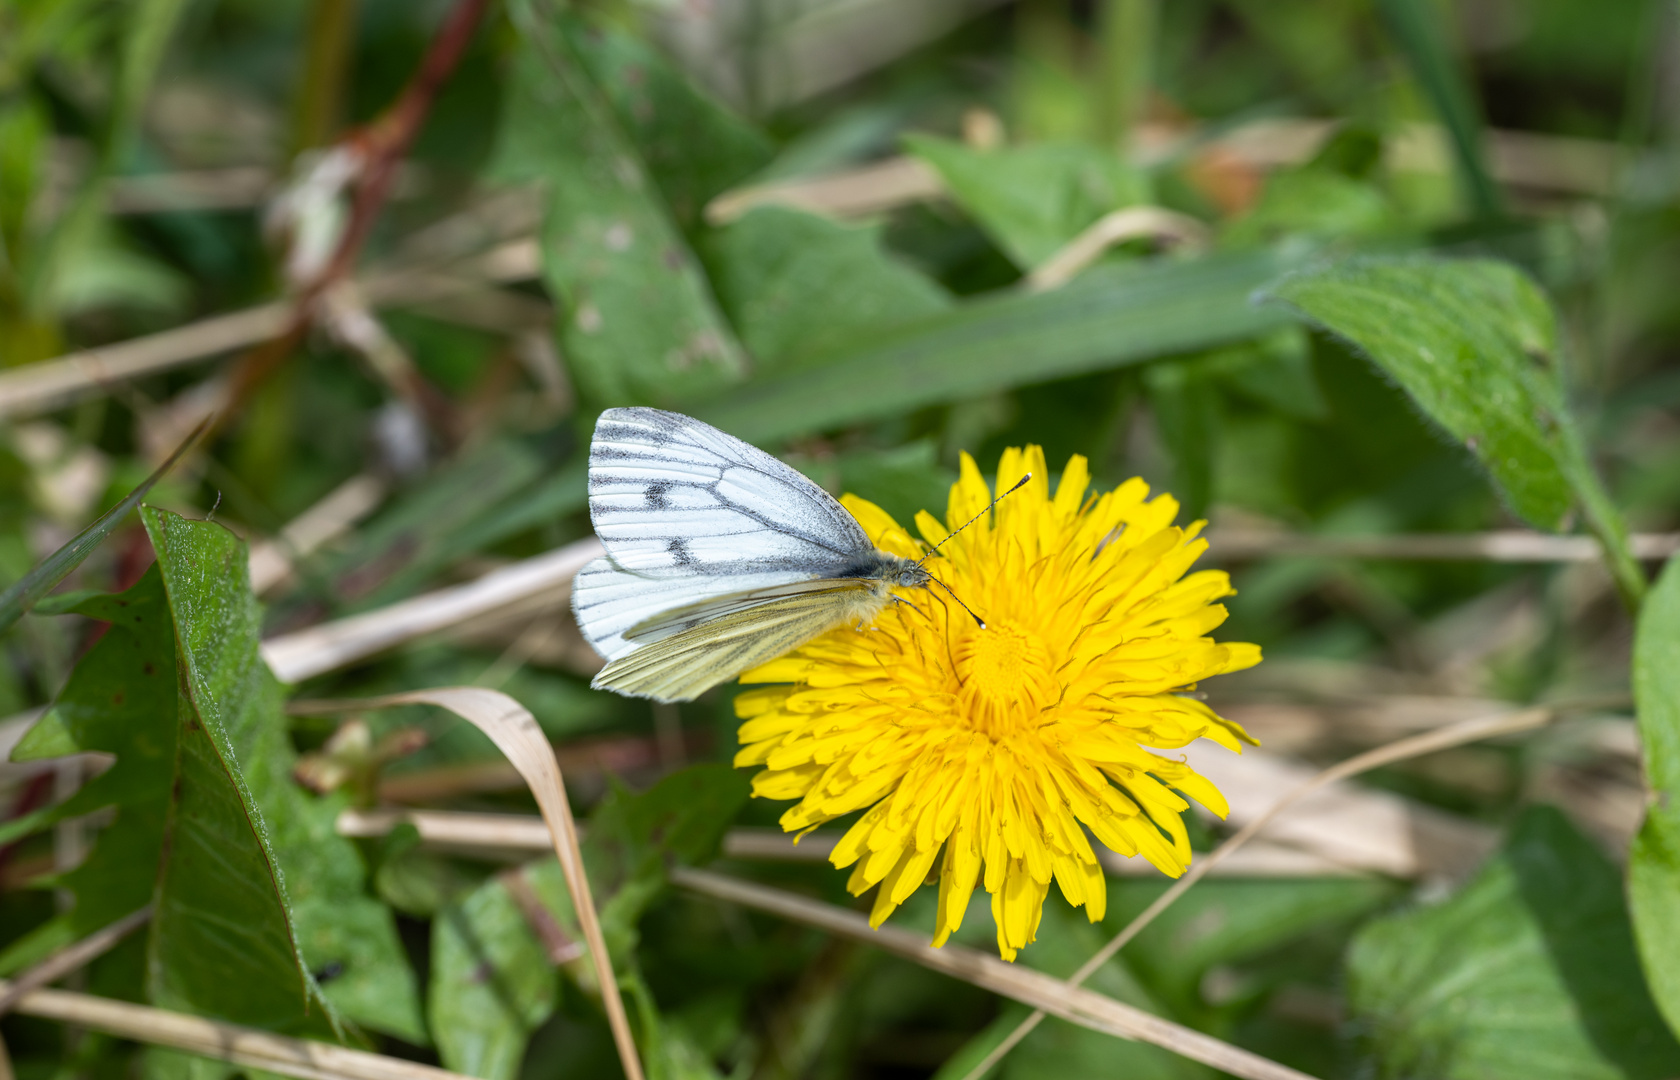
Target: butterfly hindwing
point(610, 601)
point(684, 665)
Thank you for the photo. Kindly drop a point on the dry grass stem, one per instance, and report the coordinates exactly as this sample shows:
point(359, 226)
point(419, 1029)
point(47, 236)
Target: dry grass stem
point(860, 192)
point(1510, 545)
point(1074, 1004)
point(467, 832)
point(328, 520)
point(1111, 230)
point(52, 384)
point(1519, 158)
point(334, 645)
point(1454, 735)
point(72, 958)
point(515, 732)
point(1355, 827)
point(245, 1046)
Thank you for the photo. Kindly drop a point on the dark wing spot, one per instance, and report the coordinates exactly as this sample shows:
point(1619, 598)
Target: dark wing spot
point(655, 495)
point(679, 551)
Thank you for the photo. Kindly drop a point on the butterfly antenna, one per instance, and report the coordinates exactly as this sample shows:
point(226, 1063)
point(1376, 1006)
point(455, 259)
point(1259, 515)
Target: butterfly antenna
point(965, 525)
point(978, 620)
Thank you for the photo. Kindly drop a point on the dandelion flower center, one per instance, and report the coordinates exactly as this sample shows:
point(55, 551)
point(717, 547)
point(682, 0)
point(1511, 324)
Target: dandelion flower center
point(1006, 676)
point(990, 756)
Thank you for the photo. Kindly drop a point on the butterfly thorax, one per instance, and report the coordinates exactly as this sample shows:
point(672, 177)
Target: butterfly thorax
point(890, 570)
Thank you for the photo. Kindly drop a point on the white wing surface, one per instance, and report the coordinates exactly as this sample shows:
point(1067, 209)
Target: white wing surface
point(610, 602)
point(668, 493)
point(690, 515)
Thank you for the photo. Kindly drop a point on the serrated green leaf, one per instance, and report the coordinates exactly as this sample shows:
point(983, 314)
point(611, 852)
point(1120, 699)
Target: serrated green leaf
point(638, 323)
point(1474, 343)
point(337, 927)
point(1033, 199)
point(1528, 972)
point(1110, 316)
point(1654, 861)
point(796, 285)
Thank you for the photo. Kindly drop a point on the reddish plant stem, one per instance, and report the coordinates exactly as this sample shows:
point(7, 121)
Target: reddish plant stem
point(383, 144)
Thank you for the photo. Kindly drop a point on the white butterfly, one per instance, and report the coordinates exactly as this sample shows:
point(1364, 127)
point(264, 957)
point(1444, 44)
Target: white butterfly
point(719, 557)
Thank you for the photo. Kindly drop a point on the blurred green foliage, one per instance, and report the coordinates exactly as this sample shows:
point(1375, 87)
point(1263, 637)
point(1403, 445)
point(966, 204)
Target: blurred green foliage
point(1425, 285)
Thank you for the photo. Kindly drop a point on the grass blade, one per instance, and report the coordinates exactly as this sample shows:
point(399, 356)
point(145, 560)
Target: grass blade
point(1413, 23)
point(1109, 316)
point(16, 601)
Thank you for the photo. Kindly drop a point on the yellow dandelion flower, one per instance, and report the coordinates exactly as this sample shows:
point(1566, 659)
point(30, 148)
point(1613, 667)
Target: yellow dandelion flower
point(992, 751)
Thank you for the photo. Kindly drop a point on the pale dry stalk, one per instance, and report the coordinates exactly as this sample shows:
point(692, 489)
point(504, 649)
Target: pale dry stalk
point(1470, 731)
point(72, 958)
point(244, 1046)
point(1074, 1004)
point(515, 732)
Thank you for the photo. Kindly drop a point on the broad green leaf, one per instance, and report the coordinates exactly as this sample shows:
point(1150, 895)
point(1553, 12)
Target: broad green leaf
point(26, 592)
point(1418, 26)
point(1110, 316)
point(638, 322)
point(338, 928)
point(1475, 345)
point(1654, 862)
point(694, 147)
point(796, 285)
point(1033, 199)
point(222, 939)
point(1528, 972)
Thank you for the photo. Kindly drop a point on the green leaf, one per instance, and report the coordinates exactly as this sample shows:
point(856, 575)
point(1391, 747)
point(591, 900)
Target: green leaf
point(1654, 861)
point(694, 147)
point(1033, 199)
point(1111, 315)
point(1417, 26)
point(491, 986)
point(1474, 343)
point(338, 928)
point(795, 284)
point(120, 700)
point(222, 941)
point(1528, 972)
point(29, 590)
point(491, 982)
point(638, 322)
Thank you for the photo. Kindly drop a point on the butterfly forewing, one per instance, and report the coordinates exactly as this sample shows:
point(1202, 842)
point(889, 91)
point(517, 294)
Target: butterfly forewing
point(667, 492)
